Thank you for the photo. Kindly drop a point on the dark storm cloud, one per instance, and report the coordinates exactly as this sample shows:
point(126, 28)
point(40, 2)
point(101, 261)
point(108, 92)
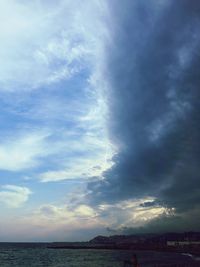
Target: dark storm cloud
point(153, 66)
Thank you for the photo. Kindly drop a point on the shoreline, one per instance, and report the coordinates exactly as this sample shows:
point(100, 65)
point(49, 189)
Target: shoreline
point(190, 252)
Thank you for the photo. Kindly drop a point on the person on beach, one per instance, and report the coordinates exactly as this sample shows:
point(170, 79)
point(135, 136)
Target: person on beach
point(134, 261)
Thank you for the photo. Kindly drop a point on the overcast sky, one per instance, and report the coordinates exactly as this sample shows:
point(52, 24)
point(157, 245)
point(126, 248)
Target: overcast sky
point(99, 104)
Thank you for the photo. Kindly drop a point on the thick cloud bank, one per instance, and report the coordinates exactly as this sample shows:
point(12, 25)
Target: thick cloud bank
point(153, 66)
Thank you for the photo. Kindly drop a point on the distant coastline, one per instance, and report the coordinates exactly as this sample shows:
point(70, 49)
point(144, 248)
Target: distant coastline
point(154, 242)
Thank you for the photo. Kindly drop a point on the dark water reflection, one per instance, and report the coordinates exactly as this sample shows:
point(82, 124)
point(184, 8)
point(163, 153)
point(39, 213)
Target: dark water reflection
point(37, 255)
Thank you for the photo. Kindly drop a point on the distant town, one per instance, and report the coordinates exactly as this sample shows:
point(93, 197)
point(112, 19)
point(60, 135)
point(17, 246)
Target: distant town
point(188, 242)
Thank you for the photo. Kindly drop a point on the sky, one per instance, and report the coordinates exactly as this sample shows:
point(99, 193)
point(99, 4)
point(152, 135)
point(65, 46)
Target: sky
point(99, 118)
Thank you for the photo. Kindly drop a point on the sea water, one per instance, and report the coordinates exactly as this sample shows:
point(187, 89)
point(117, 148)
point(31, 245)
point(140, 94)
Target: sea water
point(38, 255)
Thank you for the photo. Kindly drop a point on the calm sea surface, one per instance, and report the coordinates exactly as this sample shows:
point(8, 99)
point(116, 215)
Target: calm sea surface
point(37, 255)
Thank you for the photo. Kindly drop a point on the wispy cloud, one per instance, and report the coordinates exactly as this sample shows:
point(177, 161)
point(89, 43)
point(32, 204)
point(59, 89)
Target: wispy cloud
point(84, 157)
point(22, 152)
point(14, 196)
point(42, 44)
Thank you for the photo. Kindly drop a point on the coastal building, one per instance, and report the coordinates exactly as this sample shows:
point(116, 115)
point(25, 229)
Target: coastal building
point(183, 243)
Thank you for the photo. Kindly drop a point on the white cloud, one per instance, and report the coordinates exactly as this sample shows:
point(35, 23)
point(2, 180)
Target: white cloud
point(53, 218)
point(75, 155)
point(64, 212)
point(69, 222)
point(14, 196)
point(79, 169)
point(52, 222)
point(42, 43)
point(124, 214)
point(130, 213)
point(92, 157)
point(23, 151)
point(85, 211)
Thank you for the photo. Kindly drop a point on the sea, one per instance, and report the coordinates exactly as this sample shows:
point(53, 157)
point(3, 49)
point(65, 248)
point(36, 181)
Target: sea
point(38, 255)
